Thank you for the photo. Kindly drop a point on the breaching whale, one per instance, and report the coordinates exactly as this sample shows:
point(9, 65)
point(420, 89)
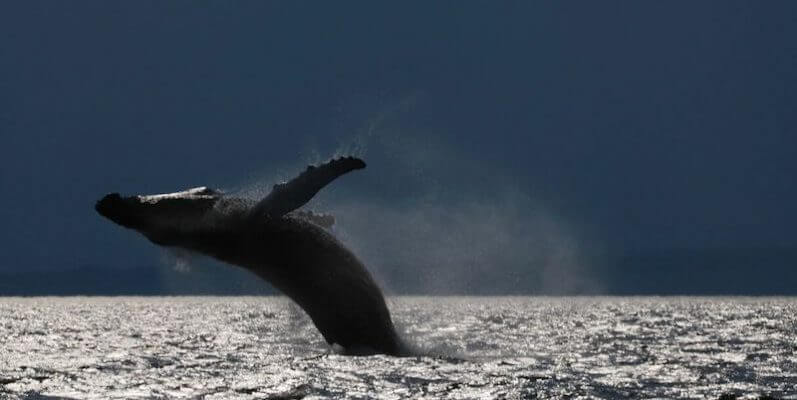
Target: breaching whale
point(290, 248)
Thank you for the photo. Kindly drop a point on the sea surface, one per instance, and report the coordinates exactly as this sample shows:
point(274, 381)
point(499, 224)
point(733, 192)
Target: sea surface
point(468, 347)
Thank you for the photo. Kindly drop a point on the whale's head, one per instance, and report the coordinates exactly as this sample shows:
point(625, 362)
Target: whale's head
point(161, 216)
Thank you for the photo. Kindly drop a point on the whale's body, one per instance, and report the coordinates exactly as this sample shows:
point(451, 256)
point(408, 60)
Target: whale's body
point(290, 249)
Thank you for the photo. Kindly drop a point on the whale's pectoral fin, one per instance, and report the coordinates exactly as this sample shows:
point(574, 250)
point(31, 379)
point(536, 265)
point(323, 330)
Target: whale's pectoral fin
point(323, 220)
point(288, 196)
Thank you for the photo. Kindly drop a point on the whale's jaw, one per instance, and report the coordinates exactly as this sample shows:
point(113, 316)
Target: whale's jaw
point(109, 207)
point(162, 215)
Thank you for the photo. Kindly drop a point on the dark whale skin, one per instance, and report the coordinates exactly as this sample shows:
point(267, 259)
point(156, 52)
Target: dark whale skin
point(298, 257)
point(323, 277)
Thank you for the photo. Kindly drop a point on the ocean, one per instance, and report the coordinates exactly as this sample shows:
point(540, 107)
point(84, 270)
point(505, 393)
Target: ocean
point(466, 348)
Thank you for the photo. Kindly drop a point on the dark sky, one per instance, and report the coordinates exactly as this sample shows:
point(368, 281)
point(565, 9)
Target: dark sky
point(643, 126)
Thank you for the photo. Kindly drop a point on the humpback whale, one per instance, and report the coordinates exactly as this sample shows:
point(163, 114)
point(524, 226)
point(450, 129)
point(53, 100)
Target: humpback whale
point(290, 248)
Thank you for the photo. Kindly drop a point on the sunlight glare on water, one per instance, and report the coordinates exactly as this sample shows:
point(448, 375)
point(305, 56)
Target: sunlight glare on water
point(481, 347)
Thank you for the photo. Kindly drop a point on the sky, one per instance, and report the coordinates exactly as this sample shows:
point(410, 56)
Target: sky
point(529, 147)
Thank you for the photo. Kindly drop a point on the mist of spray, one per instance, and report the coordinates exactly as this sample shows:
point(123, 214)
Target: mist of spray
point(427, 219)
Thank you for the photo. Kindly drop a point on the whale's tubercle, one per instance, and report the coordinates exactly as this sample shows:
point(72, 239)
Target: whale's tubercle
point(290, 249)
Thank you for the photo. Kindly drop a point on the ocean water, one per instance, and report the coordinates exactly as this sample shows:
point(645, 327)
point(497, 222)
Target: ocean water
point(468, 347)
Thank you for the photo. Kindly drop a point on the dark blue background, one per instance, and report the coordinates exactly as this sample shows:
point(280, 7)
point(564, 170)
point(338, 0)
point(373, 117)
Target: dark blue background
point(661, 130)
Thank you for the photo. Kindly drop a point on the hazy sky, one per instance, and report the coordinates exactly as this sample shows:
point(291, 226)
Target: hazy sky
point(608, 126)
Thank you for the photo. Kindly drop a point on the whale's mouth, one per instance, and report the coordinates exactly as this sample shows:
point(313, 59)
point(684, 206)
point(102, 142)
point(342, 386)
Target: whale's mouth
point(116, 208)
point(105, 204)
point(146, 212)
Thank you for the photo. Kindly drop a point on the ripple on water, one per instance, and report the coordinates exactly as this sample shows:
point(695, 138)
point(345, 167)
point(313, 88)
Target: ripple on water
point(510, 347)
